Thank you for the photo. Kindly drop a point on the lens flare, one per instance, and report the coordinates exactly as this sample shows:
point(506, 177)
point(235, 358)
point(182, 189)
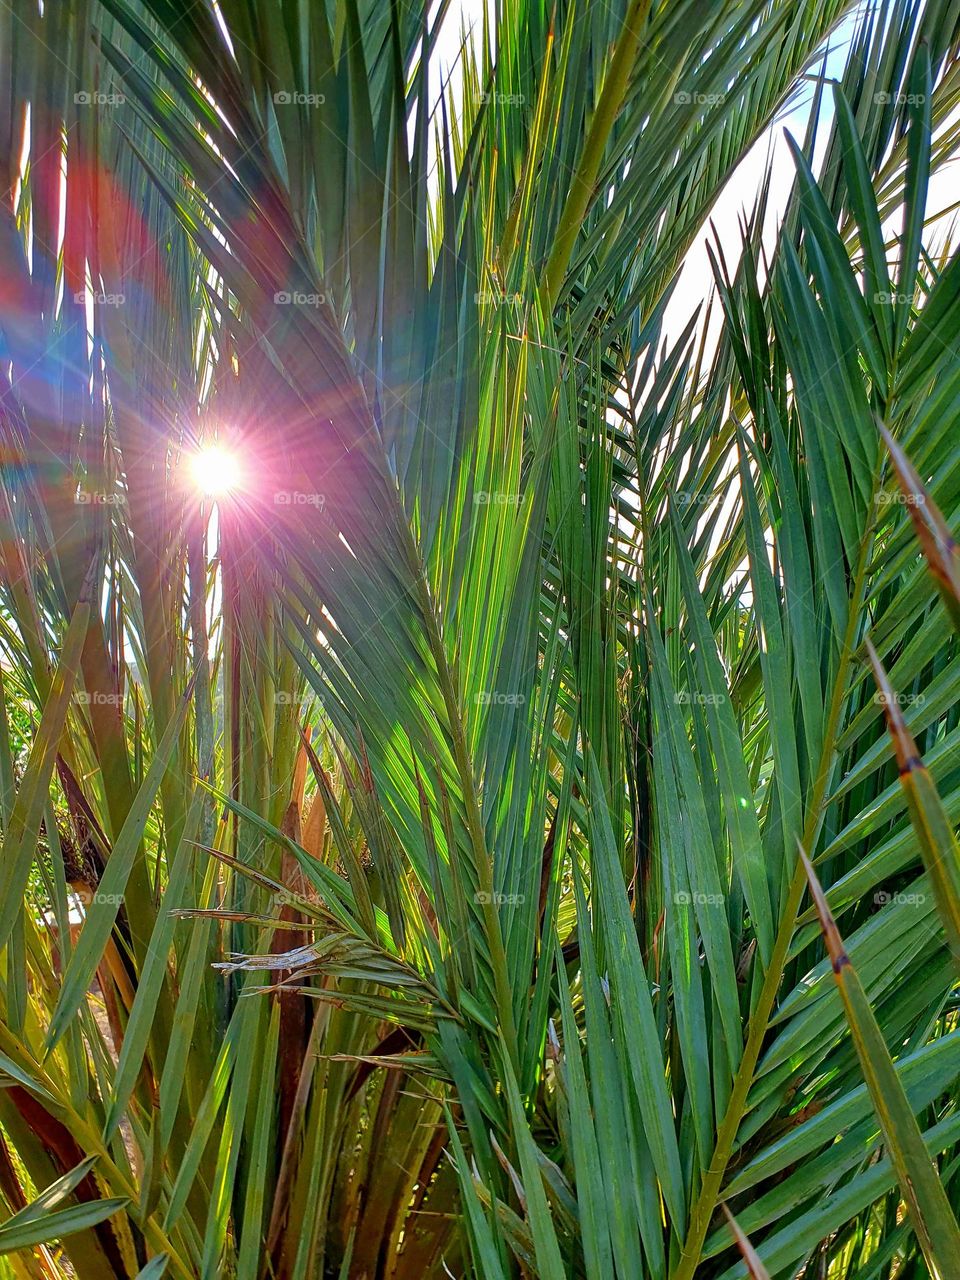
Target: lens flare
point(215, 471)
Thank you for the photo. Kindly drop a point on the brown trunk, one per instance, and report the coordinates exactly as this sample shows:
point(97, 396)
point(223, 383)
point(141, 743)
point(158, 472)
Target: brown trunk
point(64, 1152)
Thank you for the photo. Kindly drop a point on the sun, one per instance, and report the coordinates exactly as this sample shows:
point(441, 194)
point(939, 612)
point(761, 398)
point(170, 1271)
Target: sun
point(215, 471)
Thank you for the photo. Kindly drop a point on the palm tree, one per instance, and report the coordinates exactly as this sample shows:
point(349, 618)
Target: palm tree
point(435, 684)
